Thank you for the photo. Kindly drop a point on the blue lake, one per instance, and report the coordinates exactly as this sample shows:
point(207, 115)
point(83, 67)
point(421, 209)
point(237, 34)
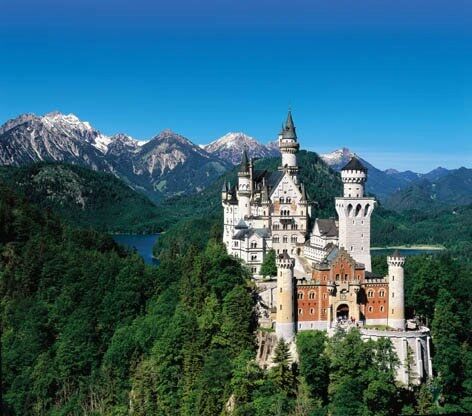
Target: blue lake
point(142, 243)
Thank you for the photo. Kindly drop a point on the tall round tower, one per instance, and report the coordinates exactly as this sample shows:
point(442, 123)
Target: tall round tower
point(289, 146)
point(353, 176)
point(396, 297)
point(354, 212)
point(285, 320)
point(244, 187)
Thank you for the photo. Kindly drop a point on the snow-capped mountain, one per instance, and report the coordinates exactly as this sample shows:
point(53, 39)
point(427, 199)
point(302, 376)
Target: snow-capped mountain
point(168, 164)
point(337, 158)
point(230, 147)
point(53, 137)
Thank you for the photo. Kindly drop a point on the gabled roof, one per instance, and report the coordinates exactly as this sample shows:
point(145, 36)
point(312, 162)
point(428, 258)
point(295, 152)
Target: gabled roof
point(355, 164)
point(327, 227)
point(241, 225)
point(249, 232)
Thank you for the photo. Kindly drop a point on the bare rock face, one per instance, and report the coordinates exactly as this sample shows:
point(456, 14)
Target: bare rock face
point(230, 148)
point(167, 165)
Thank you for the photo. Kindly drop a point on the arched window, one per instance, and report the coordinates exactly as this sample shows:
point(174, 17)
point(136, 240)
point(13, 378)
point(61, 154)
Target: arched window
point(300, 311)
point(312, 311)
point(366, 210)
point(370, 294)
point(371, 308)
point(382, 293)
point(293, 239)
point(275, 239)
point(285, 239)
point(311, 295)
point(349, 210)
point(300, 295)
point(381, 309)
point(358, 209)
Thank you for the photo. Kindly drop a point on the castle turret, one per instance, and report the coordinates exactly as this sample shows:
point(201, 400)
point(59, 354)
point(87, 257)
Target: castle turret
point(244, 187)
point(396, 298)
point(289, 146)
point(285, 318)
point(354, 212)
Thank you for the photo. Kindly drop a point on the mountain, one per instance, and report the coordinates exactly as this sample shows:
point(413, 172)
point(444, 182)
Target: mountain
point(382, 183)
point(83, 197)
point(379, 183)
point(166, 165)
point(230, 148)
point(450, 189)
point(173, 165)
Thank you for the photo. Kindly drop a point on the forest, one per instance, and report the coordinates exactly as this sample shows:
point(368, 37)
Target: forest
point(88, 328)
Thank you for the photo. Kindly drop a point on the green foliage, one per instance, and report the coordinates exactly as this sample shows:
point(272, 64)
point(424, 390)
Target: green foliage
point(84, 198)
point(269, 268)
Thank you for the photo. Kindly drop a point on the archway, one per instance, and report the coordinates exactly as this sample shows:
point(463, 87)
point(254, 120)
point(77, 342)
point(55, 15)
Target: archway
point(342, 311)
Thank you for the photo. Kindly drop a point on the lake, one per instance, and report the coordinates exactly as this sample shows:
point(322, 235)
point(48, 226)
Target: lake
point(142, 243)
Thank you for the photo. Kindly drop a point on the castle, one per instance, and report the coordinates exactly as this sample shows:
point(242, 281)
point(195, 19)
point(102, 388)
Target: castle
point(324, 275)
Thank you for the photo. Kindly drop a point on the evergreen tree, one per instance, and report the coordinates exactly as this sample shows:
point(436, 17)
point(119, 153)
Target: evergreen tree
point(269, 268)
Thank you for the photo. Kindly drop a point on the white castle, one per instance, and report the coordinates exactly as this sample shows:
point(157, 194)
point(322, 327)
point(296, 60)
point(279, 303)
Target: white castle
point(324, 276)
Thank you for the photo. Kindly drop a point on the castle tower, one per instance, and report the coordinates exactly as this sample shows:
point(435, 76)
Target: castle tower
point(396, 298)
point(244, 187)
point(354, 212)
point(285, 321)
point(289, 146)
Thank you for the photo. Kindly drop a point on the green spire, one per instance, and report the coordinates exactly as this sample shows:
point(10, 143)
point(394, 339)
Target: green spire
point(244, 162)
point(289, 129)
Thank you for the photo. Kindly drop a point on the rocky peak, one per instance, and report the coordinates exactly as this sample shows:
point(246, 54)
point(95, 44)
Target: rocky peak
point(230, 147)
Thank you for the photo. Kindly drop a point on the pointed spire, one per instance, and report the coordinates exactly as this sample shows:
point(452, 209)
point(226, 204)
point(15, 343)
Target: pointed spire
point(289, 129)
point(244, 162)
point(265, 192)
point(225, 187)
point(304, 194)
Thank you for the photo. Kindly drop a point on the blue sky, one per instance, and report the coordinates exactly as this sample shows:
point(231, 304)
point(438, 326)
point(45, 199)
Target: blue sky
point(388, 79)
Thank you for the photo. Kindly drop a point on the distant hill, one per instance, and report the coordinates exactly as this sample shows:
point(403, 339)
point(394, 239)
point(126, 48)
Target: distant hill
point(83, 197)
point(442, 191)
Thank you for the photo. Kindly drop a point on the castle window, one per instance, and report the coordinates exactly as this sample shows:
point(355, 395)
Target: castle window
point(285, 239)
point(293, 239)
point(280, 307)
point(371, 308)
point(275, 238)
point(311, 295)
point(253, 257)
point(393, 295)
point(393, 278)
point(280, 290)
point(345, 277)
point(382, 293)
point(300, 311)
point(337, 277)
point(312, 311)
point(370, 294)
point(300, 295)
point(302, 212)
point(254, 244)
point(393, 311)
point(381, 309)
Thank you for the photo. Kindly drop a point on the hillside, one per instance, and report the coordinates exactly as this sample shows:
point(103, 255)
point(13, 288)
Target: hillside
point(439, 192)
point(83, 197)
